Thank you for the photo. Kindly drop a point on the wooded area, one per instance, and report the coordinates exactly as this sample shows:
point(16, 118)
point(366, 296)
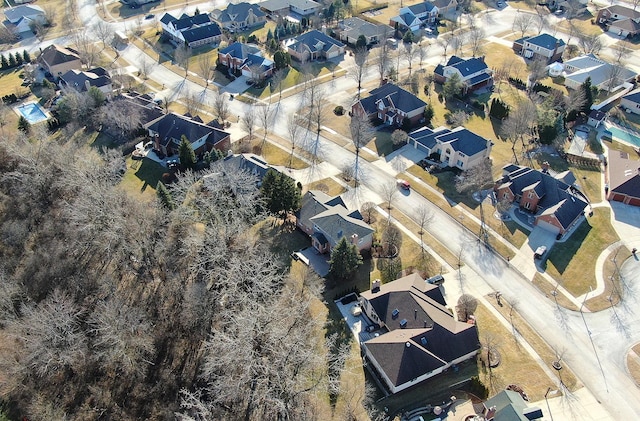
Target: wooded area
point(115, 309)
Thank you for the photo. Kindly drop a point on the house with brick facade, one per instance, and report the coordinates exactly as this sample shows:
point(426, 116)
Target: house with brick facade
point(542, 46)
point(620, 20)
point(459, 147)
point(473, 72)
point(194, 31)
point(553, 200)
point(391, 104)
point(248, 59)
point(415, 17)
point(239, 16)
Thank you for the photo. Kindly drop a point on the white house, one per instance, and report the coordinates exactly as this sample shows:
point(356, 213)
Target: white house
point(458, 148)
point(631, 101)
point(604, 76)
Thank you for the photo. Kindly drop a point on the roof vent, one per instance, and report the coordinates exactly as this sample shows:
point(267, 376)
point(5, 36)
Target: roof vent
point(395, 313)
point(407, 344)
point(423, 341)
point(403, 323)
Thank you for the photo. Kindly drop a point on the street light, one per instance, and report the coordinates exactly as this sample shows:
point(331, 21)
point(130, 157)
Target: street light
point(591, 340)
point(547, 401)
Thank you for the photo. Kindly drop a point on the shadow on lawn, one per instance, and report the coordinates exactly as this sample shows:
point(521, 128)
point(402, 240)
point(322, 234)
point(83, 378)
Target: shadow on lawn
point(150, 173)
point(562, 254)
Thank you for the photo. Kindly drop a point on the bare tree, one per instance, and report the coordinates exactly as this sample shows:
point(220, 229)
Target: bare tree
point(409, 54)
point(424, 217)
point(467, 305)
point(317, 106)
point(145, 67)
point(367, 210)
point(542, 21)
point(389, 190)
point(590, 43)
point(458, 118)
point(361, 134)
point(182, 56)
point(86, 48)
point(265, 115)
point(358, 72)
point(476, 37)
point(104, 32)
point(277, 80)
point(523, 22)
point(192, 102)
point(476, 177)
point(293, 130)
point(537, 71)
point(383, 59)
point(445, 41)
point(206, 68)
point(423, 49)
point(399, 137)
point(519, 124)
point(248, 121)
point(458, 41)
point(220, 106)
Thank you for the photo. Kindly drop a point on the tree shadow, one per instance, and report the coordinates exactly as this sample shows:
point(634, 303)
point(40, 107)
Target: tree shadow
point(447, 183)
point(150, 172)
point(563, 253)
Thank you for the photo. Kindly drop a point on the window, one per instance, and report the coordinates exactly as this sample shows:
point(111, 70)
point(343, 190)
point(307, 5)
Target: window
point(527, 205)
point(460, 164)
point(505, 195)
point(530, 195)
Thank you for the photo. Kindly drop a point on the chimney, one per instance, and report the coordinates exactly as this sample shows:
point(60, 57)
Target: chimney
point(354, 239)
point(545, 166)
point(87, 84)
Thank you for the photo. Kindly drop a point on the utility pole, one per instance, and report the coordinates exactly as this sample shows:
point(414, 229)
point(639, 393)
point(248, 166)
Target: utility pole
point(546, 400)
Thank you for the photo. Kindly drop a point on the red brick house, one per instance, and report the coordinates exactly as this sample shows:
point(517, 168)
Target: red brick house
point(391, 104)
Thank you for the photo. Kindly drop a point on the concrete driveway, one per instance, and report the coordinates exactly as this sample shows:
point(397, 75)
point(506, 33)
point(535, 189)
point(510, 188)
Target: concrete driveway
point(238, 86)
point(318, 262)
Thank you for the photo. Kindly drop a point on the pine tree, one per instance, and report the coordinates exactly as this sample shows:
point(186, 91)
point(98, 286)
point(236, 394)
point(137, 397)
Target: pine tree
point(588, 95)
point(12, 60)
point(345, 259)
point(24, 125)
point(280, 192)
point(18, 58)
point(3, 62)
point(428, 114)
point(26, 57)
point(186, 153)
point(164, 196)
point(269, 35)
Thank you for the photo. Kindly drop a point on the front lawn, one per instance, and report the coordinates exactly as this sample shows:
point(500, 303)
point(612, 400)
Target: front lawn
point(141, 178)
point(573, 262)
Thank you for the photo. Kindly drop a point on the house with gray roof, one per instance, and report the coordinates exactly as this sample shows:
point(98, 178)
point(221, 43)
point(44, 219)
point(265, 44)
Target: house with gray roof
point(351, 29)
point(240, 16)
point(21, 18)
point(251, 163)
point(166, 133)
point(194, 31)
point(292, 9)
point(419, 337)
point(542, 46)
point(509, 405)
point(620, 20)
point(459, 147)
point(248, 59)
point(631, 101)
point(390, 104)
point(624, 178)
point(556, 205)
point(415, 16)
point(326, 220)
point(81, 81)
point(605, 76)
point(57, 60)
point(473, 72)
point(314, 45)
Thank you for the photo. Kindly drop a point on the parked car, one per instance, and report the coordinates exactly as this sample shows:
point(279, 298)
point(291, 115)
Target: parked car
point(540, 251)
point(149, 16)
point(436, 280)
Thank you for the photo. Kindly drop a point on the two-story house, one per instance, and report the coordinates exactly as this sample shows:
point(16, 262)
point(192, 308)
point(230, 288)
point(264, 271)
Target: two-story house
point(459, 147)
point(166, 133)
point(415, 17)
point(81, 81)
point(194, 31)
point(473, 72)
point(542, 46)
point(553, 200)
point(240, 16)
point(314, 45)
point(292, 8)
point(391, 104)
point(326, 220)
point(58, 60)
point(620, 20)
point(418, 337)
point(605, 76)
point(248, 59)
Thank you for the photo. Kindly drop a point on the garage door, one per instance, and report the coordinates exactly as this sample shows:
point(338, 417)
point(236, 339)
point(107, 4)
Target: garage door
point(547, 226)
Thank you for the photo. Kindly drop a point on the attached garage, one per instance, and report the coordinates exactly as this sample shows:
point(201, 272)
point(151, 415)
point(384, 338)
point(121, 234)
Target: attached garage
point(547, 226)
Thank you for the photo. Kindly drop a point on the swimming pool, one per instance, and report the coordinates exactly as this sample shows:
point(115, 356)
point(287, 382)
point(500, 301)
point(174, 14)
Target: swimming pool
point(33, 112)
point(624, 136)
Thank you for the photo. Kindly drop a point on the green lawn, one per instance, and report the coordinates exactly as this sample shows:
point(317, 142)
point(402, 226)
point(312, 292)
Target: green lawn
point(10, 82)
point(141, 178)
point(573, 262)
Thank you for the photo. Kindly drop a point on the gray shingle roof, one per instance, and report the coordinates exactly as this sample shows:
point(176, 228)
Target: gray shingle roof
point(172, 126)
point(359, 27)
point(423, 7)
point(469, 66)
point(315, 41)
point(239, 12)
point(55, 54)
point(77, 79)
point(201, 32)
point(392, 95)
point(240, 50)
point(624, 174)
point(545, 41)
point(617, 9)
point(633, 96)
point(463, 140)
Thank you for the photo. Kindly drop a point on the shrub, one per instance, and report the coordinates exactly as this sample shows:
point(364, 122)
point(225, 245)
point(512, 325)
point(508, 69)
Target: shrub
point(478, 388)
point(499, 109)
point(339, 110)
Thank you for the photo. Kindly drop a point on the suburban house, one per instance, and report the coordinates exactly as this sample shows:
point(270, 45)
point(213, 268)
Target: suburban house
point(415, 17)
point(140, 108)
point(604, 76)
point(619, 20)
point(351, 29)
point(314, 45)
point(246, 58)
point(623, 175)
point(81, 81)
point(554, 201)
point(446, 6)
point(457, 147)
point(239, 16)
point(596, 118)
point(250, 163)
point(391, 104)
point(326, 220)
point(631, 101)
point(419, 337)
point(506, 405)
point(543, 46)
point(194, 31)
point(21, 18)
point(473, 72)
point(58, 60)
point(291, 9)
point(166, 133)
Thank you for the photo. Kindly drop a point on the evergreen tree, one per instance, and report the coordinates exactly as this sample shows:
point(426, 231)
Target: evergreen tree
point(26, 57)
point(197, 12)
point(408, 37)
point(12, 60)
point(164, 196)
point(281, 59)
point(97, 96)
point(452, 86)
point(280, 192)
point(186, 154)
point(3, 62)
point(18, 58)
point(588, 95)
point(24, 125)
point(498, 109)
point(428, 114)
point(362, 41)
point(269, 35)
point(345, 259)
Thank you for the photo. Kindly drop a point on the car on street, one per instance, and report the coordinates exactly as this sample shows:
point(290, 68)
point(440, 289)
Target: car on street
point(404, 184)
point(149, 16)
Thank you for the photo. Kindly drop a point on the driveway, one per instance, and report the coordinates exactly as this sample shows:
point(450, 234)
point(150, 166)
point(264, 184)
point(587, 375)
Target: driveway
point(238, 86)
point(318, 262)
